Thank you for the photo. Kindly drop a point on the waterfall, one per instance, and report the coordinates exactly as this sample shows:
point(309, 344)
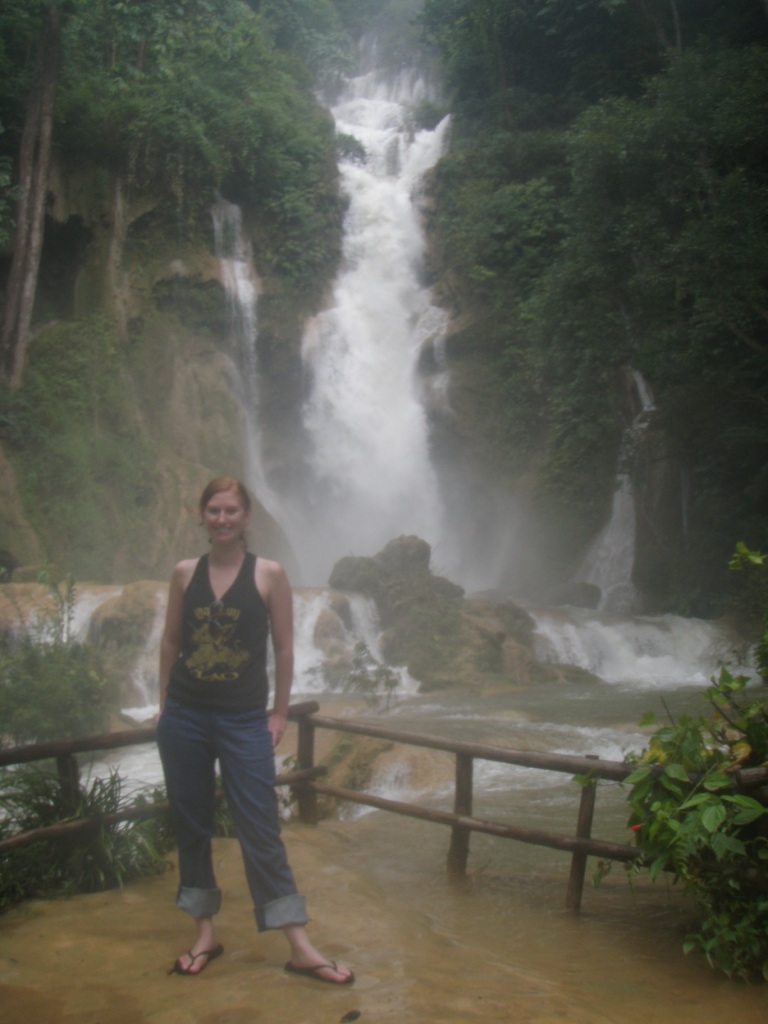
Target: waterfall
point(145, 675)
point(611, 558)
point(647, 652)
point(241, 285)
point(369, 476)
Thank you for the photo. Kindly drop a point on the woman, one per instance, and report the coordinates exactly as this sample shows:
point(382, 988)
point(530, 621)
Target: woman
point(214, 692)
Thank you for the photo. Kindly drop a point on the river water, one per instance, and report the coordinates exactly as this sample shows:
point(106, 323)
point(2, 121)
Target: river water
point(504, 938)
point(660, 664)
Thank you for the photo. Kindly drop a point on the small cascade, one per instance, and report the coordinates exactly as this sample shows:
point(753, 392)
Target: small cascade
point(241, 284)
point(645, 651)
point(144, 677)
point(327, 630)
point(325, 638)
point(611, 559)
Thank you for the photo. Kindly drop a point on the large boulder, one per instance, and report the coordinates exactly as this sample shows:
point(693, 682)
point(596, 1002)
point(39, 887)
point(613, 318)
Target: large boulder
point(427, 624)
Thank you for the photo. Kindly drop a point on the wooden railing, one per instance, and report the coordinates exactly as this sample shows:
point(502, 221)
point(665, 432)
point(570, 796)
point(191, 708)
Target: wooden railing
point(461, 820)
point(306, 785)
point(64, 753)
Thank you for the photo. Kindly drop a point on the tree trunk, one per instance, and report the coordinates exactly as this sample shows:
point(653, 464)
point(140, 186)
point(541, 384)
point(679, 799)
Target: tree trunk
point(34, 165)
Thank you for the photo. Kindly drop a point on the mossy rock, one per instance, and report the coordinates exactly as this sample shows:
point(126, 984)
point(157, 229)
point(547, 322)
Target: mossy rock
point(420, 613)
point(444, 639)
point(351, 765)
point(126, 619)
point(408, 555)
point(356, 574)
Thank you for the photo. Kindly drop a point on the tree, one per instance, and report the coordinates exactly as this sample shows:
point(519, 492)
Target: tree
point(663, 267)
point(33, 170)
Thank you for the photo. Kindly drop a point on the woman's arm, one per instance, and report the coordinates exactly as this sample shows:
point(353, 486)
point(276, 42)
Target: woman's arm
point(170, 643)
point(274, 587)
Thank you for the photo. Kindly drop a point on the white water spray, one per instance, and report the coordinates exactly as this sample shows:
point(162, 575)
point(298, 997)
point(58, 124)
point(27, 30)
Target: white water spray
point(371, 478)
point(647, 652)
point(611, 559)
point(241, 284)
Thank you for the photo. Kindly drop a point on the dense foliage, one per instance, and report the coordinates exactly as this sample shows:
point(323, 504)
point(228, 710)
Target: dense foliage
point(184, 97)
point(159, 107)
point(73, 427)
point(52, 686)
point(208, 96)
point(106, 856)
point(695, 817)
point(604, 207)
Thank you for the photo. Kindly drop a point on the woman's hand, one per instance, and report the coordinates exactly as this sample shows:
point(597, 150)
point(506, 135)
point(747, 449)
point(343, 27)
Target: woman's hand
point(276, 723)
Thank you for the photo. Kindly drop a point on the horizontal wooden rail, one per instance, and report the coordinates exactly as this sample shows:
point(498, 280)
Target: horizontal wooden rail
point(108, 741)
point(534, 836)
point(64, 751)
point(462, 821)
point(64, 748)
point(571, 764)
point(74, 825)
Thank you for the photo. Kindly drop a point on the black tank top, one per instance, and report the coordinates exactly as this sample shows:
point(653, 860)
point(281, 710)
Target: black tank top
point(222, 665)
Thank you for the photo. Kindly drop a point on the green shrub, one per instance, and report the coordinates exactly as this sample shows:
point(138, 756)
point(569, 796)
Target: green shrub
point(51, 686)
point(103, 857)
point(374, 680)
point(752, 603)
point(694, 816)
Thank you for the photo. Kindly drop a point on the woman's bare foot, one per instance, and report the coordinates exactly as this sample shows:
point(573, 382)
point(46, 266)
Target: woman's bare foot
point(205, 949)
point(193, 963)
point(330, 971)
point(306, 960)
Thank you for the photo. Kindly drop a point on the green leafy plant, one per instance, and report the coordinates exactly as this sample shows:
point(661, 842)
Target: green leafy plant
point(102, 857)
point(365, 676)
point(696, 815)
point(51, 685)
point(754, 598)
point(376, 680)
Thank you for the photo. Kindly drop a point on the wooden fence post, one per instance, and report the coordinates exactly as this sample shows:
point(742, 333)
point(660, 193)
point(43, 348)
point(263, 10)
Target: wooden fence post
point(458, 852)
point(583, 831)
point(305, 755)
point(69, 777)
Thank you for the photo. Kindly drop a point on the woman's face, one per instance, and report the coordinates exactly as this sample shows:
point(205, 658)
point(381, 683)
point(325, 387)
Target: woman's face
point(225, 516)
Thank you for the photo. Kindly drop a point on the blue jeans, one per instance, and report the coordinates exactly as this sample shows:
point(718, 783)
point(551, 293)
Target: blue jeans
point(190, 740)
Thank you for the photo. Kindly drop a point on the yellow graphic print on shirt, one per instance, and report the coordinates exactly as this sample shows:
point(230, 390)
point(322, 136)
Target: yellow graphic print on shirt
point(216, 655)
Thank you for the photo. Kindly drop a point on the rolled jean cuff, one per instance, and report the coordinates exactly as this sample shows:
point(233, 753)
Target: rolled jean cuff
point(199, 902)
point(284, 911)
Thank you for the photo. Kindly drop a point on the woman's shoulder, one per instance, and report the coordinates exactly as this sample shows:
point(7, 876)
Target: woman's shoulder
point(267, 563)
point(270, 576)
point(183, 571)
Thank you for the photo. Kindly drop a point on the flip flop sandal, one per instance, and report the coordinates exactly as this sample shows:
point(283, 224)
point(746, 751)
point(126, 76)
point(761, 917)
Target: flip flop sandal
point(178, 967)
point(314, 972)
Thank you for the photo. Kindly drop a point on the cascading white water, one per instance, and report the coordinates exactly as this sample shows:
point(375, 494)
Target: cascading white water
point(241, 285)
point(644, 651)
point(145, 674)
point(371, 478)
point(611, 558)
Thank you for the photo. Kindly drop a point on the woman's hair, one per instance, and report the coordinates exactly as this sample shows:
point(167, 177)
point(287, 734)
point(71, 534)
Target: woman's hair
point(225, 483)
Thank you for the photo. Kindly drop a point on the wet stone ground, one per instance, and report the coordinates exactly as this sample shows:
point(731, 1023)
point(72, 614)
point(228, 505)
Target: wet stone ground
point(421, 950)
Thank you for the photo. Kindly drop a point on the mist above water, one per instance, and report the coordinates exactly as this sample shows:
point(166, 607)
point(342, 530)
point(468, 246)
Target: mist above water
point(610, 561)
